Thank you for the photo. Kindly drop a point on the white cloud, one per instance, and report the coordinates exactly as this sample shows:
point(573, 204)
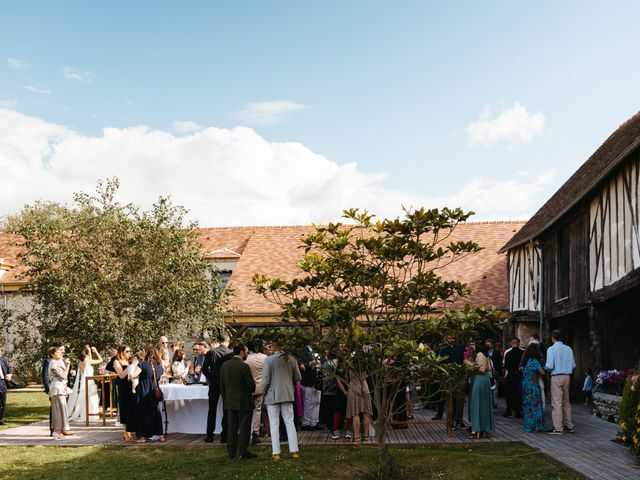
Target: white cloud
point(16, 64)
point(267, 113)
point(186, 126)
point(76, 75)
point(224, 176)
point(41, 89)
point(8, 102)
point(129, 102)
point(514, 125)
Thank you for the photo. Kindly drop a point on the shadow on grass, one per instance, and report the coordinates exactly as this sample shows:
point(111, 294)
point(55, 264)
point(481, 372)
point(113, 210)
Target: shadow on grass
point(496, 461)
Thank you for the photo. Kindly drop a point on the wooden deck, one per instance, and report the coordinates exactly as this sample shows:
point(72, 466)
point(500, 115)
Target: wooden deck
point(590, 451)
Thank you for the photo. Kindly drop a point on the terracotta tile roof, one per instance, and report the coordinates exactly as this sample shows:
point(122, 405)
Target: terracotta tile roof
point(614, 149)
point(9, 250)
point(274, 251)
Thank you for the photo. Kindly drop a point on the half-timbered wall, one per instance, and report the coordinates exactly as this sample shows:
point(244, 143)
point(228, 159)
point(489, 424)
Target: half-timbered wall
point(524, 278)
point(614, 242)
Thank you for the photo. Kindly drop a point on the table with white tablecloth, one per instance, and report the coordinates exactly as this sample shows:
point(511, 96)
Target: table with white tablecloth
point(186, 408)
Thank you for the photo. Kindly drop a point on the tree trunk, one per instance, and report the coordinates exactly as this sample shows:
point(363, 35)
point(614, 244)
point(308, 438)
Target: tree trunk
point(382, 423)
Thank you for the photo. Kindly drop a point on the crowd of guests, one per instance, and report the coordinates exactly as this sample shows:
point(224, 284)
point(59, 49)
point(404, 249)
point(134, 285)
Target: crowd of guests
point(524, 372)
point(268, 394)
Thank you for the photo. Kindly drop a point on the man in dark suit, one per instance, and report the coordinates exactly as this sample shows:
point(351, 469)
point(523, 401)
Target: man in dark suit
point(213, 361)
point(236, 387)
point(454, 353)
point(5, 376)
point(513, 378)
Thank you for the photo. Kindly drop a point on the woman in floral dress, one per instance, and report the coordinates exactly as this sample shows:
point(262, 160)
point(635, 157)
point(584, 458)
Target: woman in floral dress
point(531, 392)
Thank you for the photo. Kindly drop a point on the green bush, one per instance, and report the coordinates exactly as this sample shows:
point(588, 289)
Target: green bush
point(630, 414)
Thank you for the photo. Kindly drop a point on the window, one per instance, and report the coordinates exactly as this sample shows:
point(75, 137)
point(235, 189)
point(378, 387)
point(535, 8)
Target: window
point(225, 275)
point(563, 256)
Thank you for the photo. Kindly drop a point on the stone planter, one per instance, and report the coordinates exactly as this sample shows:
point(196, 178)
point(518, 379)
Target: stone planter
point(607, 406)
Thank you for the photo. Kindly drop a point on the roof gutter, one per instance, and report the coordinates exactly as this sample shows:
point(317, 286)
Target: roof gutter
point(619, 159)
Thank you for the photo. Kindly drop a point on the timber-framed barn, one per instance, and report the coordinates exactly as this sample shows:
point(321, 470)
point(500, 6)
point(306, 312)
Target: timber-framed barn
point(575, 265)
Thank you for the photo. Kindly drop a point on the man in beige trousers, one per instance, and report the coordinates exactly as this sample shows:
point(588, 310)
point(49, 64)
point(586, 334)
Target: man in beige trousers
point(560, 365)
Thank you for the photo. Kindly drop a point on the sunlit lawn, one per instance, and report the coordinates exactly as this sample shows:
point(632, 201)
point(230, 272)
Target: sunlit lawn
point(24, 408)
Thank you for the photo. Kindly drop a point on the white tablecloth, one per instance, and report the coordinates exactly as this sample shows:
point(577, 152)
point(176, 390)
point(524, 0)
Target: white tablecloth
point(187, 407)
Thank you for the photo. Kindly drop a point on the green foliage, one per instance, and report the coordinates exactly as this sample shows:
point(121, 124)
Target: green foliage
point(105, 273)
point(373, 289)
point(630, 414)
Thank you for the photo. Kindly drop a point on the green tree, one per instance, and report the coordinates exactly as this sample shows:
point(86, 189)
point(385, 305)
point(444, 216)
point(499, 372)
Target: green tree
point(105, 273)
point(372, 292)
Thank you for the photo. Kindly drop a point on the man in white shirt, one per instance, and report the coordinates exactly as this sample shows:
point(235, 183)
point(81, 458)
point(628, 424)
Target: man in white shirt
point(560, 365)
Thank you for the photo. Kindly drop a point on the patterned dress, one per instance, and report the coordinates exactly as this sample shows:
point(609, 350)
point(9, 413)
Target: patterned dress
point(532, 397)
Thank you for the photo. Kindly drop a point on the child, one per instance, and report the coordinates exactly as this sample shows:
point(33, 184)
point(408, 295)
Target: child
point(587, 387)
point(134, 371)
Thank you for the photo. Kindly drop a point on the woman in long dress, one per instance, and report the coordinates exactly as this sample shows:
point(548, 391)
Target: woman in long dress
point(125, 395)
point(359, 403)
point(76, 405)
point(480, 397)
point(148, 418)
point(533, 409)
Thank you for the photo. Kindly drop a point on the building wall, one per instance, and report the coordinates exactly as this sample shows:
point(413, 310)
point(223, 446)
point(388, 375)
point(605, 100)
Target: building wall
point(524, 278)
point(614, 238)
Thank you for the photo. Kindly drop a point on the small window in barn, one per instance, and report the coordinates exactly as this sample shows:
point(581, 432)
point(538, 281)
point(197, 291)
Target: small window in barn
point(225, 276)
point(562, 264)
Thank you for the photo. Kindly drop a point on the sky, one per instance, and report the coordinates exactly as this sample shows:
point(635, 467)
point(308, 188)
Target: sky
point(287, 112)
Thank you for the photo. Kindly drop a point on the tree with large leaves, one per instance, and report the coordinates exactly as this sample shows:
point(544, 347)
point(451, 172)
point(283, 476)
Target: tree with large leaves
point(372, 292)
point(104, 273)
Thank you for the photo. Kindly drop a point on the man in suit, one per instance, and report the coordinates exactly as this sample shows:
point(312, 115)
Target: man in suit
point(279, 375)
point(255, 361)
point(513, 378)
point(454, 353)
point(213, 361)
point(199, 350)
point(5, 376)
point(236, 387)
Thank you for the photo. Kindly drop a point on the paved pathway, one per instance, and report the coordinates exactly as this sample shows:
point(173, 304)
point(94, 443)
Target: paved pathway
point(590, 451)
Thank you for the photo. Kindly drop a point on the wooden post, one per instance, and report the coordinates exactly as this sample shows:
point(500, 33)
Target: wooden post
point(86, 400)
point(104, 411)
point(450, 414)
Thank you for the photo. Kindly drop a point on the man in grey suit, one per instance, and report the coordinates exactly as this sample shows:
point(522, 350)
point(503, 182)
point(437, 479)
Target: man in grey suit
point(237, 387)
point(279, 375)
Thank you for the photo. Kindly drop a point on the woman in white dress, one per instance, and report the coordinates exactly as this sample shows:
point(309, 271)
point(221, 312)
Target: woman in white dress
point(76, 405)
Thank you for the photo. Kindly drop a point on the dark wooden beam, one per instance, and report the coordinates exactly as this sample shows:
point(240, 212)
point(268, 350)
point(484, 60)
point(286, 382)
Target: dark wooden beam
point(629, 281)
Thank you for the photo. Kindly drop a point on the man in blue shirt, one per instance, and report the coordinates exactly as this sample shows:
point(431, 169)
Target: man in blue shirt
point(560, 364)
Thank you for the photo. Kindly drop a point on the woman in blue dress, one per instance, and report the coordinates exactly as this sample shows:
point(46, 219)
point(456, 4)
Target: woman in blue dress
point(531, 392)
point(148, 418)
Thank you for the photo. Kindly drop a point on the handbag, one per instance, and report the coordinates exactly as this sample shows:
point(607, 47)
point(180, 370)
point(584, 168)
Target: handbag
point(157, 390)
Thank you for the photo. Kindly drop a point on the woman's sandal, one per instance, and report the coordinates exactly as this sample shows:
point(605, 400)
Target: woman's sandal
point(474, 435)
point(142, 440)
point(162, 439)
point(364, 439)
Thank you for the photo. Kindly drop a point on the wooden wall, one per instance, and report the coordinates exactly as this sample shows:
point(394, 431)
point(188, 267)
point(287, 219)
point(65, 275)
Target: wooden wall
point(576, 227)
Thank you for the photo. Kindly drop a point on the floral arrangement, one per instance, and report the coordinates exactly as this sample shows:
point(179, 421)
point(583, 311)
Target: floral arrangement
point(102, 370)
point(630, 414)
point(612, 376)
point(469, 351)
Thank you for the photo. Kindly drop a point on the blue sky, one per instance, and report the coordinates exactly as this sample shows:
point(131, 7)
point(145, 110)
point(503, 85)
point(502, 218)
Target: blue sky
point(392, 86)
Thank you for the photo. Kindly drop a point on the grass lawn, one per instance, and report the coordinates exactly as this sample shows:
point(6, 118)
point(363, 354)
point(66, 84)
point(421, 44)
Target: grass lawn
point(487, 461)
point(24, 408)
point(492, 462)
